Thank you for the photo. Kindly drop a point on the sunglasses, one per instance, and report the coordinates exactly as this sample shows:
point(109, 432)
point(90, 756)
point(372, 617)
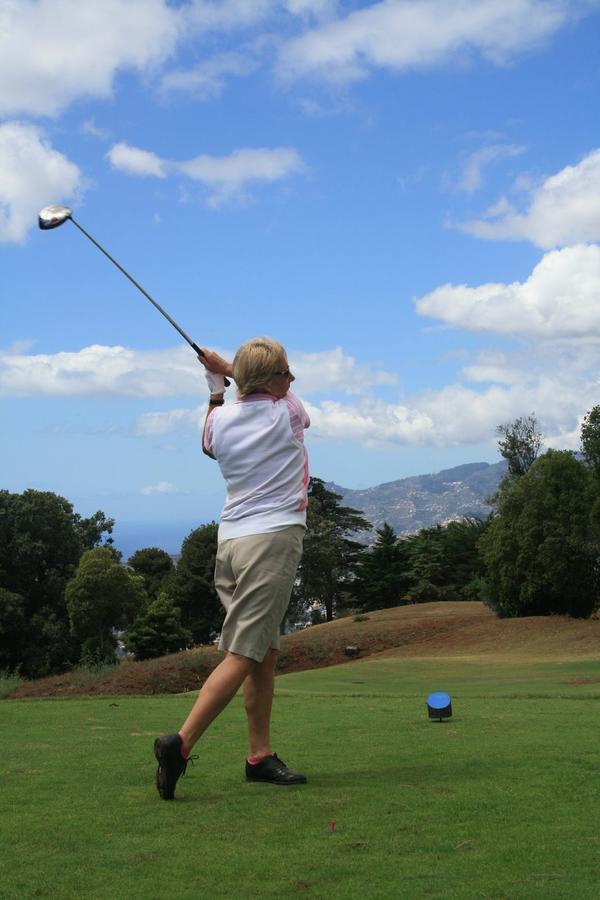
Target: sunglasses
point(285, 374)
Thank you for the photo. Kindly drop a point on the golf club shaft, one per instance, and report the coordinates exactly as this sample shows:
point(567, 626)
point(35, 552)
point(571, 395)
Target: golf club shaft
point(140, 288)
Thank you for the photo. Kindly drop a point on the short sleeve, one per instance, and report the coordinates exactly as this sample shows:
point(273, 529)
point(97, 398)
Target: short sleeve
point(207, 438)
point(299, 419)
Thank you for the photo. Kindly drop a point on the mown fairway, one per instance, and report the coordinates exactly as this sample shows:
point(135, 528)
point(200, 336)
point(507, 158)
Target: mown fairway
point(499, 802)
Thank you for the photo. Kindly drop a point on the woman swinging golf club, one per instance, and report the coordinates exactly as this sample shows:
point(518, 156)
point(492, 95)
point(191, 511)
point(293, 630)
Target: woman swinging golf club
point(258, 442)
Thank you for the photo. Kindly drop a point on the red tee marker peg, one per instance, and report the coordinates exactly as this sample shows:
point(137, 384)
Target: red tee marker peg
point(332, 825)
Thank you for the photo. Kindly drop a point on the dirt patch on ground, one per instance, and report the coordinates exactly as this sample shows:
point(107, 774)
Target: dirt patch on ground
point(427, 629)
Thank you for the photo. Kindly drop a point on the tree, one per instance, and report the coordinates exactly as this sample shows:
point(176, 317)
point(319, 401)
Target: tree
point(382, 572)
point(429, 571)
point(541, 548)
point(157, 631)
point(102, 598)
point(154, 565)
point(41, 541)
point(329, 557)
point(520, 444)
point(12, 629)
point(192, 586)
point(590, 438)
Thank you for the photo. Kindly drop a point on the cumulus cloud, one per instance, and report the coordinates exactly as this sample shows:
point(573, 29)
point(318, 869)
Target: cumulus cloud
point(225, 177)
point(31, 171)
point(120, 371)
point(472, 174)
point(54, 51)
point(333, 370)
point(564, 209)
point(101, 371)
point(416, 34)
point(558, 301)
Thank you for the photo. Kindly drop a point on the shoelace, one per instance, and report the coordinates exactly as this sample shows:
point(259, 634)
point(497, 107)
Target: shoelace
point(190, 759)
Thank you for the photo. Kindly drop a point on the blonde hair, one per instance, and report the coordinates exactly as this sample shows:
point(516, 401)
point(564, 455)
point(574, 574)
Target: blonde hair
point(255, 363)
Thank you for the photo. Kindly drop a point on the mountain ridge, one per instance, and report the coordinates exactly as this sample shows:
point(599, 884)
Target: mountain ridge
point(420, 501)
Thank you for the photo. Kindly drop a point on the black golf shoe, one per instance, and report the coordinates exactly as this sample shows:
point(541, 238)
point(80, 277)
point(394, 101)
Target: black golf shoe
point(273, 770)
point(171, 764)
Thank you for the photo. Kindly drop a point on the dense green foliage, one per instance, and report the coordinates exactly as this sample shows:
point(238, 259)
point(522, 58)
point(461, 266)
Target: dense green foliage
point(192, 589)
point(590, 438)
point(102, 597)
point(41, 542)
point(437, 563)
point(154, 565)
point(541, 549)
point(382, 576)
point(157, 631)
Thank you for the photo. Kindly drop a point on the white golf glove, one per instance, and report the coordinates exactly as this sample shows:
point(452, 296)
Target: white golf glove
point(216, 383)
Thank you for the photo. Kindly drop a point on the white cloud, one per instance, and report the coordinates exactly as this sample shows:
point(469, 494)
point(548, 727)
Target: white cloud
point(225, 177)
point(32, 174)
point(472, 175)
point(564, 209)
point(333, 370)
point(102, 371)
point(415, 34)
point(207, 80)
point(54, 51)
point(163, 487)
point(134, 161)
point(120, 371)
point(455, 415)
point(558, 301)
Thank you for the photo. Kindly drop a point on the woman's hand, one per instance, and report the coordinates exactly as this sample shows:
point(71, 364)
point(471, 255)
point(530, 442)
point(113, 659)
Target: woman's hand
point(215, 363)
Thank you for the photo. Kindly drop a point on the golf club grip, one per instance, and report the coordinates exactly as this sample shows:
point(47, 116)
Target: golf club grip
point(202, 353)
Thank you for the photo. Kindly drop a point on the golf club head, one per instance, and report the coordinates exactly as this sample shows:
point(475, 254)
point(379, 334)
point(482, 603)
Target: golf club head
point(53, 216)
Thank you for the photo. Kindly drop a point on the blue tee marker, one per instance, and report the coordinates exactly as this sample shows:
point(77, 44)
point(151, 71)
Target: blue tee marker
point(439, 705)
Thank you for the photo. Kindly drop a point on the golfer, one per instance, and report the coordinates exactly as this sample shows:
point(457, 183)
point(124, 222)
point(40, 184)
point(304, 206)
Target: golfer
point(258, 442)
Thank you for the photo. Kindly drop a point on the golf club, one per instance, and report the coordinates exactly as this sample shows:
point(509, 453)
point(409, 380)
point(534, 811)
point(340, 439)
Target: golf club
point(53, 216)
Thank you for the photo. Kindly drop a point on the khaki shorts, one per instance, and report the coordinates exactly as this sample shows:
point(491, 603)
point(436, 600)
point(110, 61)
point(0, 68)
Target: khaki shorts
point(254, 577)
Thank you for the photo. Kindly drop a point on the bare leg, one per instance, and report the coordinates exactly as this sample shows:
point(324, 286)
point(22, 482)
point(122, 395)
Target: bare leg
point(258, 700)
point(218, 689)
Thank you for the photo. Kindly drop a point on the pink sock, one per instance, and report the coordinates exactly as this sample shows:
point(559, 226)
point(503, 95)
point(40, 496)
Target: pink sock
point(184, 750)
point(255, 760)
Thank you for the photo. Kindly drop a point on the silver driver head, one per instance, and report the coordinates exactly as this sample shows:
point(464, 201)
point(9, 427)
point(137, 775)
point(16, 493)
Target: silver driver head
point(53, 216)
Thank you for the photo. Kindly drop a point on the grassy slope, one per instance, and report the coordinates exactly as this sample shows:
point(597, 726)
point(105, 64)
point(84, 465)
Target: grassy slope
point(457, 630)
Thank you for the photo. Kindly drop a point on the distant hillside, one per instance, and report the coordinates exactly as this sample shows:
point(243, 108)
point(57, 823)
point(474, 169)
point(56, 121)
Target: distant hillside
point(423, 500)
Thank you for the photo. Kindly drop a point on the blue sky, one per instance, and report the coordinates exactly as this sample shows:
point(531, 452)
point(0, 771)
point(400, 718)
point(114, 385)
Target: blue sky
point(405, 193)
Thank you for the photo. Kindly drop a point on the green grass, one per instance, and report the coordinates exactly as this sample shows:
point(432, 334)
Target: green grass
point(499, 802)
